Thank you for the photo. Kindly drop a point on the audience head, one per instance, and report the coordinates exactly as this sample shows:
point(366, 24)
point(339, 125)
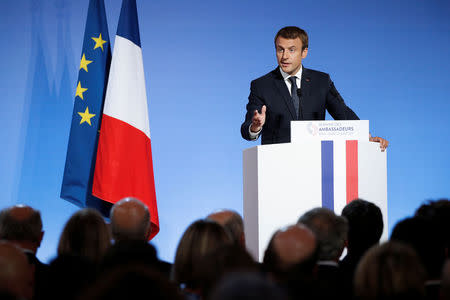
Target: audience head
point(390, 271)
point(292, 248)
point(21, 225)
point(438, 212)
point(246, 286)
point(16, 274)
point(130, 220)
point(217, 264)
point(330, 230)
point(232, 222)
point(365, 225)
point(199, 239)
point(85, 234)
point(422, 235)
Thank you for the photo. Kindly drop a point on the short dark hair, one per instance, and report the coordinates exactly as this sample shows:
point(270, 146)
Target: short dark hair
point(365, 224)
point(291, 33)
point(423, 236)
point(28, 229)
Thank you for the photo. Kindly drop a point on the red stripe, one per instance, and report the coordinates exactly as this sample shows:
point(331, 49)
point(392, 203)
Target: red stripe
point(124, 166)
point(352, 170)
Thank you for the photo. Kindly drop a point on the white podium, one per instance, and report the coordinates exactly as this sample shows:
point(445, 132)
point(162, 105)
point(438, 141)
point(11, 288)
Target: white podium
point(283, 181)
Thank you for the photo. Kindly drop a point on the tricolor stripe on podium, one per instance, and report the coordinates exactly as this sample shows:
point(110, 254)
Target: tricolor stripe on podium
point(330, 172)
point(124, 157)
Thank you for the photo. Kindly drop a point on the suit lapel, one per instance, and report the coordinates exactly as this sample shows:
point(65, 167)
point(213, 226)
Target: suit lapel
point(305, 88)
point(283, 91)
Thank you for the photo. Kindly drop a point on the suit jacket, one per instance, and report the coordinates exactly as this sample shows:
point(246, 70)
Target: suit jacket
point(317, 95)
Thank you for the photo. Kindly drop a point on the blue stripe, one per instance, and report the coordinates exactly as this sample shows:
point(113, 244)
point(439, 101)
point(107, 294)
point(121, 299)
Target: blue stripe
point(327, 175)
point(128, 22)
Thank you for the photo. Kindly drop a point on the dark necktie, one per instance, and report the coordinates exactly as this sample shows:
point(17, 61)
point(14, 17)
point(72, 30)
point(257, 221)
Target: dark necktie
point(294, 94)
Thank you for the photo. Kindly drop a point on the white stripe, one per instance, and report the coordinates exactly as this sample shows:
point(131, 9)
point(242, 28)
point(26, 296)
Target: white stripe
point(126, 98)
point(372, 180)
point(340, 176)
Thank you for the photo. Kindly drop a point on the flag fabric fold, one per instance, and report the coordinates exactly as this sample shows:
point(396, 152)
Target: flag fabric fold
point(124, 166)
point(88, 105)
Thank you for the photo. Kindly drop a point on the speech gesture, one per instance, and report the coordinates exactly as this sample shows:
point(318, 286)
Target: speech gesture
point(258, 119)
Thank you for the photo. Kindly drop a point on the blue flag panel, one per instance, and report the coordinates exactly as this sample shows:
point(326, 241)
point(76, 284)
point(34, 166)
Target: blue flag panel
point(87, 110)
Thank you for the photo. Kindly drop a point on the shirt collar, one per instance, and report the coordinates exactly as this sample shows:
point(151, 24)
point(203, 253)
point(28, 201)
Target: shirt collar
point(286, 75)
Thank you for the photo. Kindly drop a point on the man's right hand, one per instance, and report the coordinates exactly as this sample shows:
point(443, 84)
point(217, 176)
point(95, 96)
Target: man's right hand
point(258, 120)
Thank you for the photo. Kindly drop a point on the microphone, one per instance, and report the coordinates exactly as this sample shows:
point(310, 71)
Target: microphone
point(299, 93)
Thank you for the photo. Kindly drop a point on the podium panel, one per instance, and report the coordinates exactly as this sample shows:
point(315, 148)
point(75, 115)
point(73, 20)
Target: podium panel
point(283, 181)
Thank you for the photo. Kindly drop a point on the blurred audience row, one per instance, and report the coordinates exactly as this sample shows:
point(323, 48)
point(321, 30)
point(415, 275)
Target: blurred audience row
point(99, 260)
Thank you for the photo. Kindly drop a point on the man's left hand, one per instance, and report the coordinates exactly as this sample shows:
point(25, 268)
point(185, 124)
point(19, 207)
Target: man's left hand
point(383, 143)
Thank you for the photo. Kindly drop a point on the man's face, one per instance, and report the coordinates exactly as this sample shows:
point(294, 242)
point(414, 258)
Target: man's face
point(290, 54)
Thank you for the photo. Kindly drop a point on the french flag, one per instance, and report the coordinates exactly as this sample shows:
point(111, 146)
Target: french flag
point(124, 164)
point(347, 173)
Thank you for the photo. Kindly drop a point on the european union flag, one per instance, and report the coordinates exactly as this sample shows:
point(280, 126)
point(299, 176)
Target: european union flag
point(87, 111)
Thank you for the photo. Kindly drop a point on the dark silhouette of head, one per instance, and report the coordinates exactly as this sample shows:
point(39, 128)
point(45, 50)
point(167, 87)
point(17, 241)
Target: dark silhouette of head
point(232, 222)
point(22, 226)
point(365, 225)
point(390, 271)
point(330, 230)
point(85, 234)
point(422, 235)
point(130, 220)
point(199, 239)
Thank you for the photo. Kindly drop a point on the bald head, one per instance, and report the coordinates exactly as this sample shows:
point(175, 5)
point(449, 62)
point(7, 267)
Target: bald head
point(291, 247)
point(16, 274)
point(130, 220)
point(232, 222)
point(294, 244)
point(21, 225)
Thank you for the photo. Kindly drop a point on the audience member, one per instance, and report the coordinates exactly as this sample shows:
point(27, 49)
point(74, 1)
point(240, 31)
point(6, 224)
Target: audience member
point(423, 235)
point(331, 233)
point(130, 220)
point(365, 226)
point(390, 271)
point(220, 262)
point(131, 282)
point(246, 286)
point(21, 225)
point(86, 235)
point(199, 239)
point(231, 221)
point(68, 276)
point(131, 229)
point(290, 260)
point(16, 274)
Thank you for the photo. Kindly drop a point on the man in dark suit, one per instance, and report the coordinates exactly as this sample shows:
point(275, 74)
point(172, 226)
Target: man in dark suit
point(292, 92)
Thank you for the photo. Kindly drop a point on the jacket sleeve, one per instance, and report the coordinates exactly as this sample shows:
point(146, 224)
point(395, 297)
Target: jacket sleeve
point(255, 102)
point(336, 105)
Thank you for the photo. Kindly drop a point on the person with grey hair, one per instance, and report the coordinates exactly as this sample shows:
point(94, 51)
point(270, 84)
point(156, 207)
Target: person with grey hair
point(232, 222)
point(331, 232)
point(21, 225)
point(130, 220)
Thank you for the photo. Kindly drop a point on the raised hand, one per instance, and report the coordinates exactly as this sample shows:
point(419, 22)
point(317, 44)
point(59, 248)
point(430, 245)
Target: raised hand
point(258, 119)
